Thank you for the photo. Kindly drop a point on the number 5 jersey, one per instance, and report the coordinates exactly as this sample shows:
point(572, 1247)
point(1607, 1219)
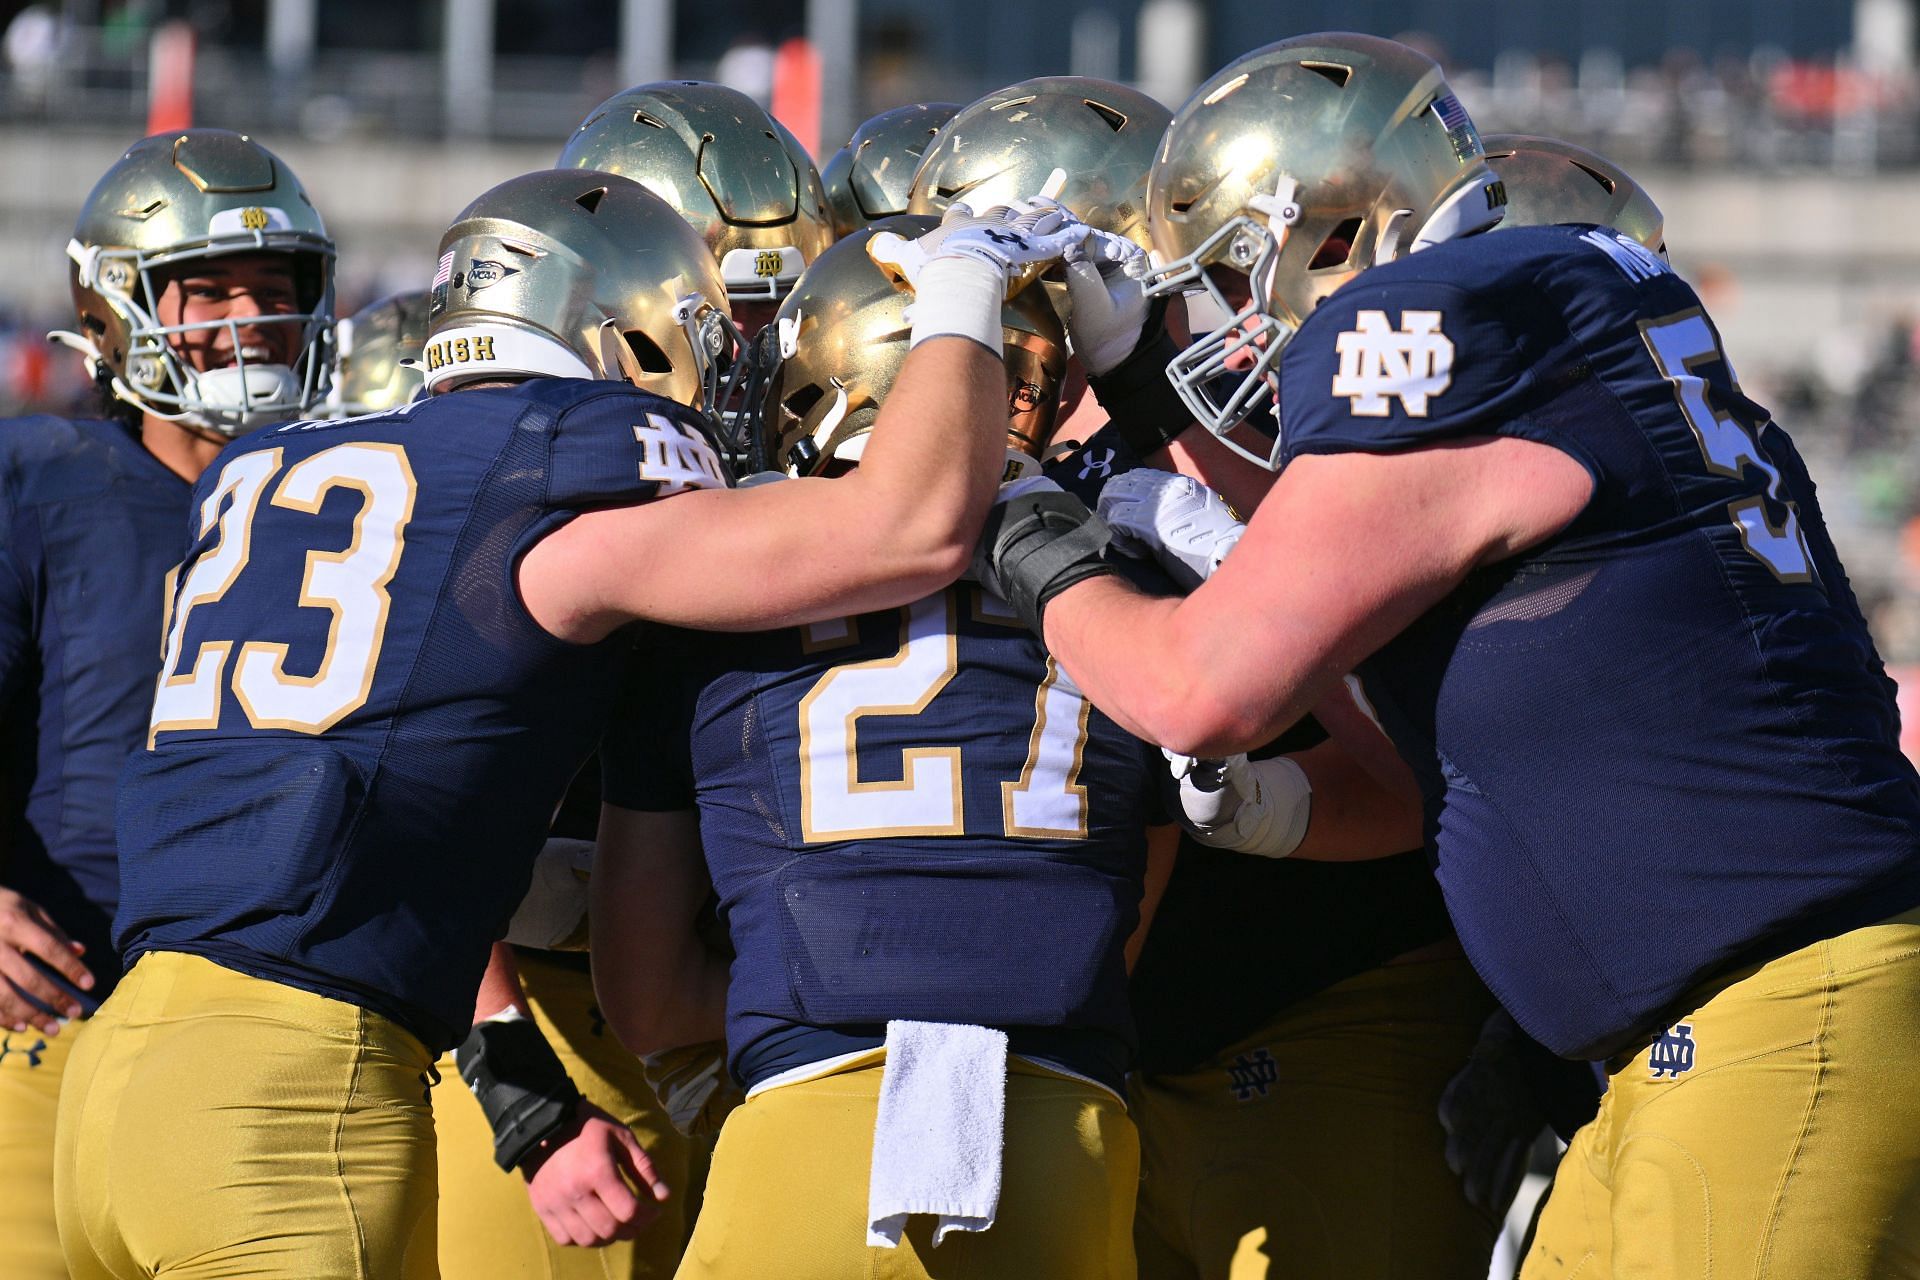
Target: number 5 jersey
point(359, 734)
point(1659, 745)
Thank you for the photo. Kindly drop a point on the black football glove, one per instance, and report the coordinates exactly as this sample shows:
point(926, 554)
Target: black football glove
point(1039, 541)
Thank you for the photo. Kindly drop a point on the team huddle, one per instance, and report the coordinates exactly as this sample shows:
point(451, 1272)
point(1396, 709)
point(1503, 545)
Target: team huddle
point(1087, 691)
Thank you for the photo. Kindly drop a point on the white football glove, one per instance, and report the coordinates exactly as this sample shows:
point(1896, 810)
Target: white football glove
point(693, 1086)
point(1172, 519)
point(553, 915)
point(1107, 299)
point(1015, 242)
point(1259, 807)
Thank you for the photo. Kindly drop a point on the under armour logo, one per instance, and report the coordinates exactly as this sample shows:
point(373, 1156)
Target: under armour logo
point(1672, 1053)
point(677, 457)
point(1089, 464)
point(1252, 1073)
point(1414, 362)
point(31, 1052)
point(1005, 237)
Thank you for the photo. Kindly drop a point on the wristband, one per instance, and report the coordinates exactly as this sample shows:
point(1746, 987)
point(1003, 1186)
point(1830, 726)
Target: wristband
point(522, 1087)
point(959, 297)
point(1040, 543)
point(1138, 397)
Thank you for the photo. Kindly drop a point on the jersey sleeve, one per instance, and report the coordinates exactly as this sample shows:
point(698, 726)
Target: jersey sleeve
point(1404, 363)
point(618, 445)
point(16, 605)
point(646, 758)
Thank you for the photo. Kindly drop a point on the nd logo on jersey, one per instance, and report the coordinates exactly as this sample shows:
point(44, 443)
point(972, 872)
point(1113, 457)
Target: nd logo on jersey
point(1413, 362)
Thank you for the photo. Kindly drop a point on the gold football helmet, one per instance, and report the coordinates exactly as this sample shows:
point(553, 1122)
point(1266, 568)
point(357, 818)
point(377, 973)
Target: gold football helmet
point(1297, 167)
point(838, 344)
point(171, 199)
point(1549, 181)
point(1093, 140)
point(575, 274)
point(378, 367)
point(736, 174)
point(870, 177)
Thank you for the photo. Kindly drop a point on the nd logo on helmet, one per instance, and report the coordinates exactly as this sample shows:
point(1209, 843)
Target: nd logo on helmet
point(766, 264)
point(253, 218)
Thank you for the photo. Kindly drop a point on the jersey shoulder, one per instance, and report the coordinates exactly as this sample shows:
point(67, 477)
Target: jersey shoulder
point(49, 459)
point(1460, 339)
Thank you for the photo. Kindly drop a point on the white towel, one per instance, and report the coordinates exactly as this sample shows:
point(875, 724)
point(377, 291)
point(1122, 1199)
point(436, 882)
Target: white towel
point(938, 1137)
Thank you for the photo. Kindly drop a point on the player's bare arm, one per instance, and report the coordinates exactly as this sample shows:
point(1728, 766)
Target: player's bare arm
point(659, 984)
point(1300, 604)
point(724, 559)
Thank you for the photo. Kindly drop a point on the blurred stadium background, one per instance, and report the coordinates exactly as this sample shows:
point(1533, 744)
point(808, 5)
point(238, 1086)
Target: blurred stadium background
point(1781, 137)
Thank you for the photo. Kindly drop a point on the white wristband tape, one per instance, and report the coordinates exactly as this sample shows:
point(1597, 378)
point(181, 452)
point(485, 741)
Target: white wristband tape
point(958, 297)
point(1284, 806)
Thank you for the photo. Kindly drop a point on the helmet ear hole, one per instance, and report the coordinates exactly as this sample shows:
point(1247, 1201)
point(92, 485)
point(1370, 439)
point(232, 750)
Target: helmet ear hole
point(647, 353)
point(590, 201)
point(1337, 247)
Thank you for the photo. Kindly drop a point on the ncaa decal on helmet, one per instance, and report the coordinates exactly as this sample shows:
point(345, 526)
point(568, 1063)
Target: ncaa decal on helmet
point(1549, 181)
point(837, 345)
point(872, 176)
point(730, 169)
point(1296, 167)
point(575, 274)
point(171, 200)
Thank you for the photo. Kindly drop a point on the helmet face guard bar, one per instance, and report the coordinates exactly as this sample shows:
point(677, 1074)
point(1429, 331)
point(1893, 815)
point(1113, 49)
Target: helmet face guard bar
point(1226, 373)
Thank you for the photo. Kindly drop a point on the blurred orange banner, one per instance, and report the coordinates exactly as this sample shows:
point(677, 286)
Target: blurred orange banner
point(1908, 678)
point(170, 78)
point(796, 92)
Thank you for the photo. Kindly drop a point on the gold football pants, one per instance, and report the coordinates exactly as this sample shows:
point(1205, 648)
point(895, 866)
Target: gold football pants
point(1312, 1150)
point(31, 1066)
point(215, 1124)
point(1772, 1133)
point(488, 1229)
point(787, 1197)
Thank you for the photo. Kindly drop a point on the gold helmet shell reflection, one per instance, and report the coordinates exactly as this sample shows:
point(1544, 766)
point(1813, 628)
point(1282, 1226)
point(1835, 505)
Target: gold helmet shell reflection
point(572, 273)
point(734, 173)
point(872, 175)
point(378, 367)
point(1099, 136)
point(839, 341)
point(1549, 181)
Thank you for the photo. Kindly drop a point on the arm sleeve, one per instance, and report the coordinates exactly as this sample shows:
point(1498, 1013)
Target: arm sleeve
point(646, 758)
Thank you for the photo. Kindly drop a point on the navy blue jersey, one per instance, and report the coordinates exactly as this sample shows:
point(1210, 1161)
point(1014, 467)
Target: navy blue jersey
point(1236, 939)
point(359, 734)
point(1660, 744)
point(908, 814)
point(90, 523)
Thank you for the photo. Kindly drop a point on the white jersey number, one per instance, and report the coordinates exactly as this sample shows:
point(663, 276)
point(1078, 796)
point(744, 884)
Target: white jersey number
point(1045, 802)
point(1680, 344)
point(350, 582)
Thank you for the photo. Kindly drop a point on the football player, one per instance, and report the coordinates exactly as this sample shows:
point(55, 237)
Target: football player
point(389, 649)
point(1085, 143)
point(377, 366)
point(928, 852)
point(733, 171)
point(869, 178)
point(1586, 587)
point(201, 281)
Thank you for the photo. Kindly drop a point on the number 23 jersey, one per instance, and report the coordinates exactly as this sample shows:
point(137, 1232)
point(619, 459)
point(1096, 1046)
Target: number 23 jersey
point(359, 733)
point(908, 814)
point(1660, 744)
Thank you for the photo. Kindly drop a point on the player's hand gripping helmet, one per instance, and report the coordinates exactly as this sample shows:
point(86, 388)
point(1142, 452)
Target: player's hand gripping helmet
point(378, 367)
point(1549, 181)
point(735, 173)
point(871, 176)
point(1092, 140)
point(171, 199)
point(840, 338)
point(1297, 167)
point(574, 274)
